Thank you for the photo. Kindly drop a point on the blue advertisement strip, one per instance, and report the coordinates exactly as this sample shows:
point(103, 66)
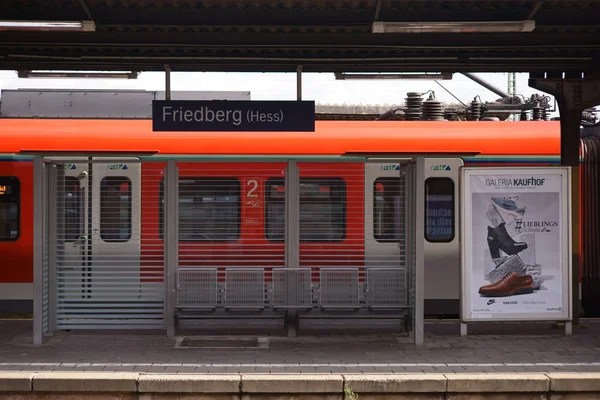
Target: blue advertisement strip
point(225, 115)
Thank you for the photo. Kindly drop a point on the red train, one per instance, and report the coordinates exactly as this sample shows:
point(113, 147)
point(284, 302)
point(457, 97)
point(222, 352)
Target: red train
point(232, 206)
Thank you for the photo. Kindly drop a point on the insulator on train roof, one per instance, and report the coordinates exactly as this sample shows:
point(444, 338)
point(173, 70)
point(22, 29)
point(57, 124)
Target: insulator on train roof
point(450, 115)
point(537, 112)
point(413, 106)
point(475, 110)
point(587, 115)
point(433, 110)
point(524, 116)
point(545, 114)
point(393, 114)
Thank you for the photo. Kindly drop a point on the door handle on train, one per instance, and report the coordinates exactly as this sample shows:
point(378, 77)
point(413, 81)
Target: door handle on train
point(81, 240)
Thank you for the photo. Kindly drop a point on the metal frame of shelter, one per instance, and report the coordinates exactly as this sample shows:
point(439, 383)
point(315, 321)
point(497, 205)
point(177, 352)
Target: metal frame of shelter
point(122, 299)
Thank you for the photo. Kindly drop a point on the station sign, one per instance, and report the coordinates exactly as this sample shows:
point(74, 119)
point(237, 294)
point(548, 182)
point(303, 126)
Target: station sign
point(226, 115)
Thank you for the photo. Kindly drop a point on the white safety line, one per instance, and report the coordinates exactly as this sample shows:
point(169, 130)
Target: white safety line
point(291, 365)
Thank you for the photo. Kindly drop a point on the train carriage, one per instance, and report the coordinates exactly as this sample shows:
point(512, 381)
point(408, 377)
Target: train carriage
point(232, 197)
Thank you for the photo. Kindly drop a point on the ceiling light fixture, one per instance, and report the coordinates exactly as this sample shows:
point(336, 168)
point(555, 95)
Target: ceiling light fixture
point(440, 76)
point(82, 26)
point(453, 27)
point(99, 75)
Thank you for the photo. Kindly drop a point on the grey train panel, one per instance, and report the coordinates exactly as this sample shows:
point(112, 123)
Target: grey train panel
point(72, 229)
point(385, 235)
point(390, 252)
point(117, 251)
point(109, 104)
point(98, 280)
point(442, 259)
point(76, 104)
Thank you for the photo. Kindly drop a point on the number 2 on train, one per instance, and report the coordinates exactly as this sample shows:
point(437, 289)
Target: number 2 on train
point(253, 185)
point(252, 188)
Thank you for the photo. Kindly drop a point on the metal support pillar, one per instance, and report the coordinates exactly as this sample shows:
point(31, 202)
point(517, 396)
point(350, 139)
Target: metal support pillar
point(292, 237)
point(38, 251)
point(52, 244)
point(299, 83)
point(568, 328)
point(409, 235)
point(570, 120)
point(573, 93)
point(419, 327)
point(171, 243)
point(167, 82)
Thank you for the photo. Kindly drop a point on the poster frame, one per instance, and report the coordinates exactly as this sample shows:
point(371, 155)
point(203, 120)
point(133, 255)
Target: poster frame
point(466, 250)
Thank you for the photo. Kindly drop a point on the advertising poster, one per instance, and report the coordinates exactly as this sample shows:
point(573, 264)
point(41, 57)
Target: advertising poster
point(516, 253)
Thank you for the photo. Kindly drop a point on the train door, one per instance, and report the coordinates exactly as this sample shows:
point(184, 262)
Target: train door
point(116, 230)
point(385, 244)
point(384, 206)
point(442, 244)
point(73, 227)
point(98, 273)
point(100, 227)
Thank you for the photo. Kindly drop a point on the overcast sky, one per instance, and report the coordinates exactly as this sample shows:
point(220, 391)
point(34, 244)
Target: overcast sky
point(323, 88)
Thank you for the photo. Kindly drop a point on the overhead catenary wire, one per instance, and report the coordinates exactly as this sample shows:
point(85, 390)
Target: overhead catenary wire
point(451, 94)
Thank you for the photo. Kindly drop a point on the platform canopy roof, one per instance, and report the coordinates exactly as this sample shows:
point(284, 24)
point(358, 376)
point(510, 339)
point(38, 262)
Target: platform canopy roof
point(320, 35)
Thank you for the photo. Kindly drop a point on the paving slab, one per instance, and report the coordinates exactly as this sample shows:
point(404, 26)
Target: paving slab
point(322, 383)
point(385, 383)
point(189, 383)
point(574, 382)
point(504, 383)
point(84, 382)
point(15, 381)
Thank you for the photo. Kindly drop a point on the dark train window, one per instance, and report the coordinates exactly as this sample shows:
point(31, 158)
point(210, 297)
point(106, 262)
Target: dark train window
point(10, 204)
point(209, 209)
point(322, 209)
point(439, 210)
point(73, 209)
point(115, 209)
point(387, 212)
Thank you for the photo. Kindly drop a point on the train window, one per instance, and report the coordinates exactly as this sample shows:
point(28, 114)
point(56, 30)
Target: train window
point(73, 209)
point(439, 210)
point(387, 212)
point(115, 209)
point(209, 209)
point(10, 204)
point(322, 209)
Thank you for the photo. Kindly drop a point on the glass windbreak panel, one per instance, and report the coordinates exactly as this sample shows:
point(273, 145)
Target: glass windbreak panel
point(115, 209)
point(10, 205)
point(322, 209)
point(209, 209)
point(439, 210)
point(386, 210)
point(73, 209)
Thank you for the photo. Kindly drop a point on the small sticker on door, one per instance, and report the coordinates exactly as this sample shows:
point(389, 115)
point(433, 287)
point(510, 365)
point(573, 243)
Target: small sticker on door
point(118, 167)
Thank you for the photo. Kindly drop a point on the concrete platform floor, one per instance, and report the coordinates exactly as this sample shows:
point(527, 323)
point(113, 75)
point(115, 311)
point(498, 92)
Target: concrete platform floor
point(489, 348)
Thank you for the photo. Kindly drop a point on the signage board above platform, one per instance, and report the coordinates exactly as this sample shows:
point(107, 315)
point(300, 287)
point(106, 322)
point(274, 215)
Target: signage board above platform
point(225, 115)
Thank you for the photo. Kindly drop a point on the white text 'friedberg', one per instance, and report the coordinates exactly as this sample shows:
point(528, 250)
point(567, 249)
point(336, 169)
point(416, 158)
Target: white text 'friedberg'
point(205, 114)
